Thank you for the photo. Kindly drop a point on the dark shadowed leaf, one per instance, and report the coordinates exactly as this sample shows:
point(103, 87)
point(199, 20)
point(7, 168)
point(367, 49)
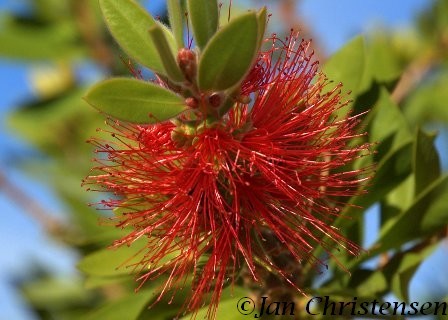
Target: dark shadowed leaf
point(392, 169)
point(402, 267)
point(426, 161)
point(388, 120)
point(56, 41)
point(368, 282)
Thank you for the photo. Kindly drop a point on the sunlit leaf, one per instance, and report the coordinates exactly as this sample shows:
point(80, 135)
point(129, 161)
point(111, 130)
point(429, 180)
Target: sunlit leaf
point(262, 16)
point(348, 66)
point(93, 282)
point(127, 308)
point(129, 24)
point(228, 305)
point(428, 213)
point(135, 100)
point(230, 53)
point(204, 18)
point(176, 17)
point(112, 262)
point(382, 61)
point(169, 62)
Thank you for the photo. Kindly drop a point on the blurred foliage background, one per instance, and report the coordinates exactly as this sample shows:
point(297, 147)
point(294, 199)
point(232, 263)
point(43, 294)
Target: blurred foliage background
point(402, 76)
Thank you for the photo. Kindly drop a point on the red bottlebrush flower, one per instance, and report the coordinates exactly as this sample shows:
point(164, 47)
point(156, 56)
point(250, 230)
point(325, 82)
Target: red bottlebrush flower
point(211, 196)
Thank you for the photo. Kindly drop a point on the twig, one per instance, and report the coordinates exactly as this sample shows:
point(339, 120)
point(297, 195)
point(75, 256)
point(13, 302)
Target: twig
point(32, 207)
point(412, 76)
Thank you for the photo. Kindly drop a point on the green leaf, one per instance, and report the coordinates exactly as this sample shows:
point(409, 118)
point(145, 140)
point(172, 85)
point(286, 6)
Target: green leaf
point(428, 213)
point(230, 53)
point(428, 103)
point(112, 262)
point(388, 120)
point(382, 60)
point(93, 282)
point(176, 17)
point(262, 16)
point(129, 24)
point(204, 17)
point(55, 115)
point(56, 41)
point(90, 232)
point(169, 305)
point(399, 199)
point(347, 66)
point(166, 55)
point(56, 293)
point(402, 267)
point(426, 161)
point(392, 169)
point(135, 100)
point(368, 283)
point(228, 305)
point(128, 308)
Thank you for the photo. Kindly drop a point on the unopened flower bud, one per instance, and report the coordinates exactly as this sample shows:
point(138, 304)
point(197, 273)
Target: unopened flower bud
point(215, 100)
point(186, 59)
point(192, 103)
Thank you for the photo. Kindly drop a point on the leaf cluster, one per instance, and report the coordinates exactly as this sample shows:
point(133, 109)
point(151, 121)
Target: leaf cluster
point(409, 187)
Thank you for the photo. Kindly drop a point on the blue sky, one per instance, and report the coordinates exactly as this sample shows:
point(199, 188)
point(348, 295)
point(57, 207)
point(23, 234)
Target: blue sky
point(23, 242)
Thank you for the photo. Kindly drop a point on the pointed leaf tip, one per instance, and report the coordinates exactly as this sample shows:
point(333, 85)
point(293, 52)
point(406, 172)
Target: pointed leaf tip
point(129, 23)
point(204, 16)
point(166, 55)
point(262, 16)
point(229, 54)
point(135, 100)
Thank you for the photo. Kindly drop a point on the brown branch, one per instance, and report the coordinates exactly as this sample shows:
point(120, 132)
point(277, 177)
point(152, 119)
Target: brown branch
point(412, 76)
point(287, 10)
point(32, 207)
point(433, 239)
